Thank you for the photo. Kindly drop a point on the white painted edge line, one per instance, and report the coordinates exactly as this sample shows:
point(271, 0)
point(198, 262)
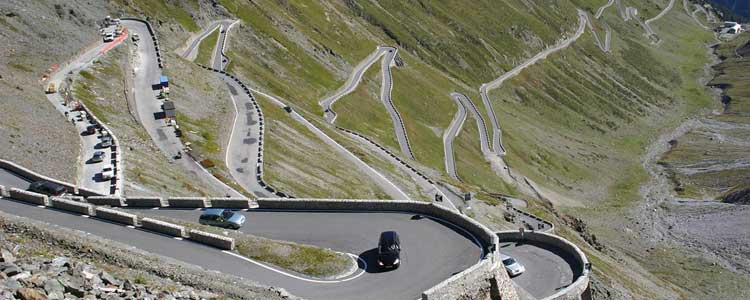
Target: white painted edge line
point(295, 276)
point(231, 134)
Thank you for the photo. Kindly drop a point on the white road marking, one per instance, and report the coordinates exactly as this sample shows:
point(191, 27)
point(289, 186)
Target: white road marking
point(298, 277)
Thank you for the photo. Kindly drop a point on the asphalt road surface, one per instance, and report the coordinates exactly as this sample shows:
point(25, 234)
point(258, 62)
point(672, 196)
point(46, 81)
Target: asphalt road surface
point(243, 149)
point(10, 179)
point(497, 145)
point(431, 251)
point(351, 83)
point(385, 96)
point(89, 173)
point(149, 111)
point(548, 269)
point(450, 134)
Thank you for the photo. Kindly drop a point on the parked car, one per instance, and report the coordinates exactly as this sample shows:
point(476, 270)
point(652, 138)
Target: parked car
point(513, 267)
point(91, 129)
point(47, 188)
point(98, 157)
point(389, 250)
point(107, 173)
point(106, 142)
point(222, 218)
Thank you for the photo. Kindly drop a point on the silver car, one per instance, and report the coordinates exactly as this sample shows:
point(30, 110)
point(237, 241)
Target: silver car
point(513, 267)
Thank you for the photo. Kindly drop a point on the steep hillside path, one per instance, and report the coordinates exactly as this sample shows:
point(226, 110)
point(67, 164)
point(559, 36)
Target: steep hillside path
point(453, 130)
point(149, 108)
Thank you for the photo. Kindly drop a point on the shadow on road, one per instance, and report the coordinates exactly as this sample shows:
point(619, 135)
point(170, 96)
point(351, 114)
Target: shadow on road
point(371, 258)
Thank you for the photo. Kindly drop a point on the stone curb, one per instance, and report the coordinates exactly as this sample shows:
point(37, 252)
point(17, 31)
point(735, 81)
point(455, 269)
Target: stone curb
point(110, 201)
point(187, 202)
point(215, 240)
point(29, 197)
point(72, 206)
point(116, 216)
point(163, 227)
point(144, 202)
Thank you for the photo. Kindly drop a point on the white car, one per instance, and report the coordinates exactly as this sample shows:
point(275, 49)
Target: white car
point(107, 173)
point(513, 267)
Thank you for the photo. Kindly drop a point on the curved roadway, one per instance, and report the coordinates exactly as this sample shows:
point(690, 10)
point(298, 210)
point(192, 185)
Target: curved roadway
point(450, 134)
point(89, 174)
point(548, 269)
point(497, 145)
point(243, 150)
point(149, 110)
point(431, 250)
point(647, 24)
point(385, 96)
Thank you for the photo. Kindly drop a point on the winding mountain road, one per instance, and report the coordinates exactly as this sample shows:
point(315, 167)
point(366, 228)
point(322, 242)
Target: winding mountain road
point(432, 250)
point(497, 145)
point(387, 55)
point(450, 134)
point(89, 173)
point(647, 25)
point(243, 151)
point(385, 96)
point(148, 107)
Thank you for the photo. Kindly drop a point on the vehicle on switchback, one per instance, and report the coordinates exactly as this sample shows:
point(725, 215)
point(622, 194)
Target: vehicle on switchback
point(513, 267)
point(47, 188)
point(222, 218)
point(389, 250)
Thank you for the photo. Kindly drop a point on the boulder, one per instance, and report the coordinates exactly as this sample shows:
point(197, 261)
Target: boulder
point(30, 294)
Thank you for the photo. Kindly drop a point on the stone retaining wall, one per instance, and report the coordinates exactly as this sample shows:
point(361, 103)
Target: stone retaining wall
point(72, 206)
point(237, 203)
point(116, 216)
point(144, 202)
point(187, 202)
point(163, 227)
point(29, 197)
point(581, 284)
point(109, 201)
point(211, 239)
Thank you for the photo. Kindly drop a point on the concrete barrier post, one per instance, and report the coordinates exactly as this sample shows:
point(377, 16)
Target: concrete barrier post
point(163, 227)
point(187, 202)
point(72, 206)
point(144, 202)
point(110, 201)
point(237, 203)
point(116, 216)
point(215, 240)
point(29, 197)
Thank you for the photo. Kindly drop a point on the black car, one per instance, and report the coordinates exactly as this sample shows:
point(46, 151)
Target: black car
point(47, 188)
point(389, 250)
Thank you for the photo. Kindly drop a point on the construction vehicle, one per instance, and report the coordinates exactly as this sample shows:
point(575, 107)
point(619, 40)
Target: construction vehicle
point(51, 89)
